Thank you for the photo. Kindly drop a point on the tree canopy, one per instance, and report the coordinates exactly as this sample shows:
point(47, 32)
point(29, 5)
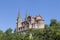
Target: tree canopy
point(50, 32)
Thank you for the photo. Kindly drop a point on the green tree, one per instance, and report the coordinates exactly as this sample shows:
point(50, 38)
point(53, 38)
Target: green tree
point(1, 34)
point(53, 22)
point(8, 34)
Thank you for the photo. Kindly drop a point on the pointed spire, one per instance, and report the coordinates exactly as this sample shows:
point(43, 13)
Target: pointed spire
point(26, 15)
point(19, 17)
point(18, 13)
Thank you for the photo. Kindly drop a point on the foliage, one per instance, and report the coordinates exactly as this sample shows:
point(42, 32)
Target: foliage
point(50, 32)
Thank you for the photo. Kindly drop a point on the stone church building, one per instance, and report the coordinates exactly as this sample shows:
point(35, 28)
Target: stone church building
point(29, 22)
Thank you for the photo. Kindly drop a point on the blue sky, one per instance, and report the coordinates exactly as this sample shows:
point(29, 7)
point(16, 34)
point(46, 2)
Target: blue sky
point(48, 9)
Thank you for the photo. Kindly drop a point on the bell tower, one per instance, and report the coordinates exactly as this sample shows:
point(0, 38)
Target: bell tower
point(19, 20)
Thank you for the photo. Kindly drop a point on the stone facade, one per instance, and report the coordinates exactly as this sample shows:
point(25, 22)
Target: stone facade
point(28, 23)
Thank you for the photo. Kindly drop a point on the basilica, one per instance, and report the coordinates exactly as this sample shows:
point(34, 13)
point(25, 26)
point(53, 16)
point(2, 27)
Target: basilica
point(36, 22)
